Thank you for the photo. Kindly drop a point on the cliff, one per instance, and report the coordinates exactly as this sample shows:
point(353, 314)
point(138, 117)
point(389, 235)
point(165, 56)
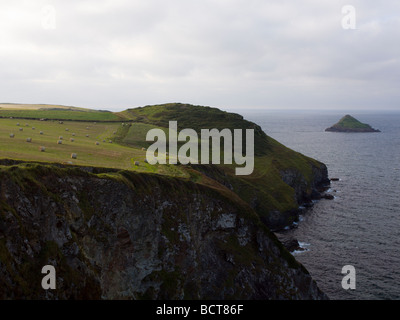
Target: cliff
point(282, 179)
point(350, 124)
point(124, 235)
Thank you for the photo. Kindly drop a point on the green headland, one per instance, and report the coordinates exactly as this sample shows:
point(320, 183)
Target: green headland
point(77, 193)
point(282, 178)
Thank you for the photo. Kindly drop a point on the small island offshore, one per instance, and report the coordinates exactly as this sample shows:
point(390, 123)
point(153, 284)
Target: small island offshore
point(351, 124)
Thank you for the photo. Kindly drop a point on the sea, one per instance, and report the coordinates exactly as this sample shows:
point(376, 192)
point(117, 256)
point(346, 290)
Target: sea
point(360, 227)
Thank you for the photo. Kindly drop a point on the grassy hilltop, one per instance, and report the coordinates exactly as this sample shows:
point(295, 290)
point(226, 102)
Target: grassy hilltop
point(281, 180)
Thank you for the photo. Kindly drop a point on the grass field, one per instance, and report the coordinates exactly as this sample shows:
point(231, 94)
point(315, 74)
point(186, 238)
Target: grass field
point(105, 154)
point(60, 114)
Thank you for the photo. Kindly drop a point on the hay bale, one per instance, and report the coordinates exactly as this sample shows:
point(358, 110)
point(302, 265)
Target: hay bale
point(87, 136)
point(104, 140)
point(73, 134)
point(72, 139)
point(59, 142)
point(110, 141)
point(145, 160)
point(97, 143)
point(33, 128)
point(17, 123)
point(21, 129)
point(28, 139)
point(73, 155)
point(11, 135)
point(42, 149)
point(41, 132)
point(60, 137)
point(115, 132)
point(66, 129)
point(136, 163)
point(87, 128)
point(26, 125)
point(60, 122)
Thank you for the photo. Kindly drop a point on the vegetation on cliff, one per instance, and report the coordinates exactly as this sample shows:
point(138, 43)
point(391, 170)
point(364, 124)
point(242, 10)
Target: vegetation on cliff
point(281, 181)
point(117, 227)
point(127, 235)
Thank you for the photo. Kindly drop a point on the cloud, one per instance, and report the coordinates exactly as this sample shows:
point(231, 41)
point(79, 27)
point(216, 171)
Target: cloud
point(254, 53)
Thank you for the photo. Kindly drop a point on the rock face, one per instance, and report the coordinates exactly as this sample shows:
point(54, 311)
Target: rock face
point(121, 235)
point(350, 124)
point(301, 189)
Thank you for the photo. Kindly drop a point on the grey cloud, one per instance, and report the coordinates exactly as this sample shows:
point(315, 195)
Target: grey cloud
point(254, 53)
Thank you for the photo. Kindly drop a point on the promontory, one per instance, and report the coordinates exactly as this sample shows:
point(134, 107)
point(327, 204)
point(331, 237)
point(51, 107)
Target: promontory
point(350, 124)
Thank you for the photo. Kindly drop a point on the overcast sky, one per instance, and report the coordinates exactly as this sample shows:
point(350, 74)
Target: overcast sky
point(115, 54)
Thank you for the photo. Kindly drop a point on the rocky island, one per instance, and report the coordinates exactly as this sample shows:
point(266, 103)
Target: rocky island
point(351, 124)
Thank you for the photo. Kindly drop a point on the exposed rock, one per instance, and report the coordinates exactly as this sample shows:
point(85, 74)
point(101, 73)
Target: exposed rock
point(292, 245)
point(328, 196)
point(136, 236)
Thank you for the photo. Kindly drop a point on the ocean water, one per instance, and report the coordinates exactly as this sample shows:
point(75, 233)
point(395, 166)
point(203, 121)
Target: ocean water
point(361, 226)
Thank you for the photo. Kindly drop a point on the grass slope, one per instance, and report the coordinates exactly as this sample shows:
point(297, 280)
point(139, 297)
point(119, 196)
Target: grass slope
point(55, 112)
point(264, 189)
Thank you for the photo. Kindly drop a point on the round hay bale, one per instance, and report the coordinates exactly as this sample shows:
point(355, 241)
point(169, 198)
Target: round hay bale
point(136, 163)
point(17, 123)
point(33, 128)
point(72, 139)
point(11, 135)
point(42, 149)
point(59, 142)
point(73, 155)
point(87, 136)
point(145, 160)
point(60, 122)
point(28, 139)
point(73, 134)
point(41, 132)
point(66, 129)
point(60, 137)
point(21, 129)
point(96, 143)
point(110, 141)
point(26, 125)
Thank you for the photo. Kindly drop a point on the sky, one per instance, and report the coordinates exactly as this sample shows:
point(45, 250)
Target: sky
point(231, 54)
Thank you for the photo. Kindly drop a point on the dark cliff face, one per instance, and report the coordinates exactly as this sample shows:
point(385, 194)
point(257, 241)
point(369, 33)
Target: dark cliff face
point(136, 236)
point(298, 187)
